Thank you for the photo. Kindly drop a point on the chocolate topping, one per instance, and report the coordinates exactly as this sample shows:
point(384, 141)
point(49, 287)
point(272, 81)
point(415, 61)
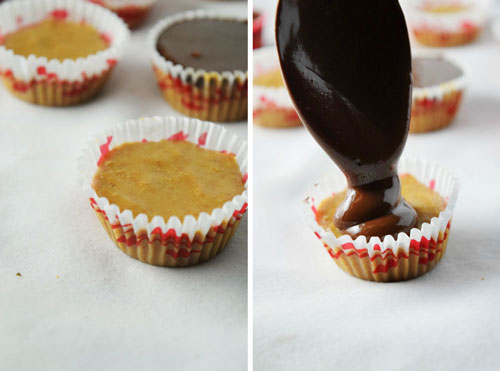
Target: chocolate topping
point(347, 65)
point(208, 44)
point(429, 71)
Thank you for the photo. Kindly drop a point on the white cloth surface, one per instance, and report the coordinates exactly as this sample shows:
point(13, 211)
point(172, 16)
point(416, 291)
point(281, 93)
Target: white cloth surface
point(310, 315)
point(106, 311)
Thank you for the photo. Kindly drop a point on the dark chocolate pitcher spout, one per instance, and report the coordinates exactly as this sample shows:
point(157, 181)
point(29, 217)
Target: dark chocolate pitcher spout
point(347, 66)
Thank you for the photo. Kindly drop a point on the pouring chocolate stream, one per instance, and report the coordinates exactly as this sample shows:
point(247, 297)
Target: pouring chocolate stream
point(347, 66)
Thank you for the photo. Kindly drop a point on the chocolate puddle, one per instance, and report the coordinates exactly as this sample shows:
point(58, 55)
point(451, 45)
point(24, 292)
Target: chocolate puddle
point(347, 66)
point(207, 44)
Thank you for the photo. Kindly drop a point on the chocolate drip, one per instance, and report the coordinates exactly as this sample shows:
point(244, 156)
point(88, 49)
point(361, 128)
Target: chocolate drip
point(347, 66)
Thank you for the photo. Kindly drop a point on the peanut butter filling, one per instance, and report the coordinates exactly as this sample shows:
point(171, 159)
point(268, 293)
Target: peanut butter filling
point(445, 9)
point(167, 178)
point(271, 79)
point(56, 39)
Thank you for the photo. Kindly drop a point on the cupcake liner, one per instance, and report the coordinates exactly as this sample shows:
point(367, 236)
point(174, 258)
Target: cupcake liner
point(153, 240)
point(272, 107)
point(206, 95)
point(53, 82)
point(408, 256)
point(447, 29)
point(435, 107)
point(133, 12)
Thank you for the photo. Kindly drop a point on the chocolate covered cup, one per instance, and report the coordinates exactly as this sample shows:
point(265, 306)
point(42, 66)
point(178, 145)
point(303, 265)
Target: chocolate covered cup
point(438, 88)
point(200, 62)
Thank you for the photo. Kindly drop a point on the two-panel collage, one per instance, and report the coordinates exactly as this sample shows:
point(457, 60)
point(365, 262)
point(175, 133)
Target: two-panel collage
point(265, 185)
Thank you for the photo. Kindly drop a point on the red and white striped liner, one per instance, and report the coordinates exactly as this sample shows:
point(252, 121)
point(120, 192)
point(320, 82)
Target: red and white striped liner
point(206, 95)
point(271, 99)
point(154, 240)
point(386, 260)
point(75, 75)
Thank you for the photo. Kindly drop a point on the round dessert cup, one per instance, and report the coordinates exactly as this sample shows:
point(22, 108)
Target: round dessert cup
point(206, 95)
point(53, 82)
point(447, 29)
point(389, 260)
point(435, 107)
point(153, 240)
point(133, 12)
point(272, 106)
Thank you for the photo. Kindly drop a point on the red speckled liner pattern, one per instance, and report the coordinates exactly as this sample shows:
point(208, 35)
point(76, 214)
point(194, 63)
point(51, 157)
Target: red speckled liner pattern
point(431, 113)
point(435, 107)
point(171, 242)
point(442, 29)
point(53, 82)
point(205, 95)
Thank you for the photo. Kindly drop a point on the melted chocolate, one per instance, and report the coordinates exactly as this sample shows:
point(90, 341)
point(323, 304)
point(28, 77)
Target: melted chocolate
point(347, 66)
point(207, 44)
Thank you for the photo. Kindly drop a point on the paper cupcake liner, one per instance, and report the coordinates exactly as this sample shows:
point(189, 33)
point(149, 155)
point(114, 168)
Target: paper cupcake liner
point(133, 12)
point(431, 114)
point(272, 107)
point(153, 240)
point(439, 38)
point(447, 29)
point(206, 95)
point(52, 82)
point(435, 107)
point(407, 257)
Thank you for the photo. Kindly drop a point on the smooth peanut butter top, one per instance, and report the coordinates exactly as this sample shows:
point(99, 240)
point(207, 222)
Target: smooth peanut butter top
point(56, 39)
point(167, 178)
point(426, 202)
point(271, 79)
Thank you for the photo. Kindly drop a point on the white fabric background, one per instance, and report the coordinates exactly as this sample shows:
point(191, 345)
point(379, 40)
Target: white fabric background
point(309, 315)
point(106, 311)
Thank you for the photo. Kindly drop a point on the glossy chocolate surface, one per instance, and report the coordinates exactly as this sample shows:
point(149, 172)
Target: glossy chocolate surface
point(207, 44)
point(347, 65)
